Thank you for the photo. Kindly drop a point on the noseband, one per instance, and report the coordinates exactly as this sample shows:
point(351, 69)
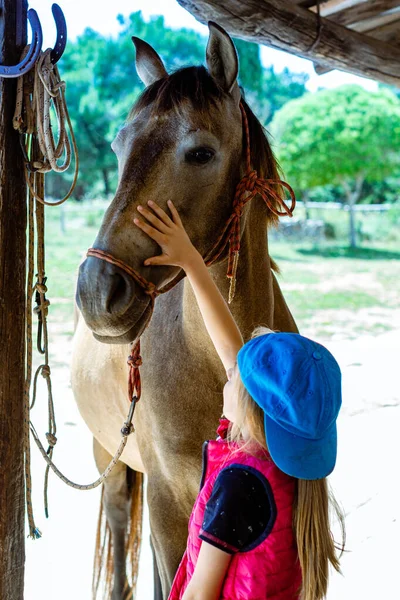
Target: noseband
point(248, 187)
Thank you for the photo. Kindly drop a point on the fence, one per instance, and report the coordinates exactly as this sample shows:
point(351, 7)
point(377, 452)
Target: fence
point(315, 221)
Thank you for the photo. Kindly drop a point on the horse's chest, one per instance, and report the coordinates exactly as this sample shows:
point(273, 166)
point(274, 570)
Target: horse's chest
point(99, 382)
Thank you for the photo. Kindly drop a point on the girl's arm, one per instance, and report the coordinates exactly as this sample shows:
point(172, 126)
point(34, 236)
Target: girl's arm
point(178, 250)
point(209, 574)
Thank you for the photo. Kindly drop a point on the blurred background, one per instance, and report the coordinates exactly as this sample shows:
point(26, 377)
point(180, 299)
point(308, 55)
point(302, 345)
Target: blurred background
point(337, 138)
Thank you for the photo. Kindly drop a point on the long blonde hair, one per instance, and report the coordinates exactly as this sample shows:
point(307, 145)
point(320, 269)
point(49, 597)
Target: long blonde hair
point(314, 502)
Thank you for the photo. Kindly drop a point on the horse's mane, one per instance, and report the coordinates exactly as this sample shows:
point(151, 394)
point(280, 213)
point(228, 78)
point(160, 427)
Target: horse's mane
point(195, 85)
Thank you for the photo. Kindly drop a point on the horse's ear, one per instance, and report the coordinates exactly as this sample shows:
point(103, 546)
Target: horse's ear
point(149, 65)
point(222, 58)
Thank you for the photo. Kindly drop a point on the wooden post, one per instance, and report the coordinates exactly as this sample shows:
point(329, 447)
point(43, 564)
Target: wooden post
point(12, 314)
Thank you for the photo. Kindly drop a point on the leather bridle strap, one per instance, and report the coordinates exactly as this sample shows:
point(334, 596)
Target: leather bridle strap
point(134, 359)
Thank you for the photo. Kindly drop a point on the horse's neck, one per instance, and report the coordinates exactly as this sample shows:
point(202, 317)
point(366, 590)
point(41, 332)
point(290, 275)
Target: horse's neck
point(258, 300)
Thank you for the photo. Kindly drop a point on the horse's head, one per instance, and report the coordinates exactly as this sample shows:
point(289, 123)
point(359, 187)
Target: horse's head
point(183, 142)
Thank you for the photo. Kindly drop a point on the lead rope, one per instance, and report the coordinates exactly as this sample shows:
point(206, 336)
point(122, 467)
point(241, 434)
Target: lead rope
point(41, 93)
point(248, 187)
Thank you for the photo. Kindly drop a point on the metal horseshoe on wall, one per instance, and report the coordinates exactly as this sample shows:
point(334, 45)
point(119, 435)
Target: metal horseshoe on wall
point(36, 45)
point(61, 40)
point(27, 63)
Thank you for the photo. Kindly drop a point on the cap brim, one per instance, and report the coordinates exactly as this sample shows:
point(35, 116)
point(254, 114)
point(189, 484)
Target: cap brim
point(298, 456)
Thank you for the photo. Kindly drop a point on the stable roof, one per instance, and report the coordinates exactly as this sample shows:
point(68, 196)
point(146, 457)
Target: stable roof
point(359, 36)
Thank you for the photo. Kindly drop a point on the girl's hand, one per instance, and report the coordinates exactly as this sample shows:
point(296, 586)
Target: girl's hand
point(170, 235)
point(177, 249)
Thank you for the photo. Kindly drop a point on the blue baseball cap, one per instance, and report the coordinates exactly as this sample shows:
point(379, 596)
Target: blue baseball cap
point(297, 383)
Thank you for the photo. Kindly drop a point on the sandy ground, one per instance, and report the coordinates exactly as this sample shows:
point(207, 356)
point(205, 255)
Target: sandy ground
point(59, 565)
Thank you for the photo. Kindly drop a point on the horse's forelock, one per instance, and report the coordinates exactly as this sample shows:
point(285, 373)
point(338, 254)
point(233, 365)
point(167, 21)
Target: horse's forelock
point(190, 84)
point(195, 85)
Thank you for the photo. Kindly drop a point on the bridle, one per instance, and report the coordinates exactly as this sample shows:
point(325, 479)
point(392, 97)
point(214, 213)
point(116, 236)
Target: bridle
point(248, 187)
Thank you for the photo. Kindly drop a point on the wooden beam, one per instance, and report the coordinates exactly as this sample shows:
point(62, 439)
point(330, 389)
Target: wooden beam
point(334, 6)
point(388, 33)
point(12, 317)
point(321, 69)
point(309, 3)
point(360, 12)
point(285, 26)
point(377, 21)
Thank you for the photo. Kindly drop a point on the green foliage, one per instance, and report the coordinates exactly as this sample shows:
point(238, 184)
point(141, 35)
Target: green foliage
point(379, 192)
point(336, 136)
point(326, 193)
point(280, 88)
point(394, 89)
point(266, 91)
point(251, 70)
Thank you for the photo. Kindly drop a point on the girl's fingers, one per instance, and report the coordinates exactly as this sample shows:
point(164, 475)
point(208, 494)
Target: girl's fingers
point(153, 219)
point(150, 231)
point(175, 215)
point(160, 213)
point(161, 259)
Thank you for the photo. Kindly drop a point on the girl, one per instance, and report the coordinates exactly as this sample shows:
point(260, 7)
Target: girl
point(259, 528)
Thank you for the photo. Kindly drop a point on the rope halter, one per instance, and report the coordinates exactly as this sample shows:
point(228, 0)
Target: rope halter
point(248, 187)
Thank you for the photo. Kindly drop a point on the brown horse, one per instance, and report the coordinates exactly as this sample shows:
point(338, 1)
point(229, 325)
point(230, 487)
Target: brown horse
point(184, 141)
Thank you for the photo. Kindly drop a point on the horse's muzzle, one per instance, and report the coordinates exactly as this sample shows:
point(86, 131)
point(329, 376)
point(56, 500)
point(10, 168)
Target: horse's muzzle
point(113, 305)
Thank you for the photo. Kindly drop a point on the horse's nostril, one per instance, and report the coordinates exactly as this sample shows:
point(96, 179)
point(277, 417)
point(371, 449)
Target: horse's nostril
point(119, 294)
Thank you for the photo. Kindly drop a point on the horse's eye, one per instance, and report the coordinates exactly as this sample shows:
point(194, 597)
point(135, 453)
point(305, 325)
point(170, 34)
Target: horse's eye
point(200, 156)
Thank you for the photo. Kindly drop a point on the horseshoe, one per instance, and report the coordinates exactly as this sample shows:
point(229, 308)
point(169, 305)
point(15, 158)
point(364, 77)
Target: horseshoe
point(61, 40)
point(27, 63)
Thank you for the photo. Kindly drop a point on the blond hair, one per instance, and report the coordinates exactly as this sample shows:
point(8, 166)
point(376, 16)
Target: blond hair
point(313, 504)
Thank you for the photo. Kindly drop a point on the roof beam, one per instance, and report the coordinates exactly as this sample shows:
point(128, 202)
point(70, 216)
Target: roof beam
point(361, 11)
point(376, 22)
point(334, 6)
point(388, 33)
point(285, 26)
point(309, 3)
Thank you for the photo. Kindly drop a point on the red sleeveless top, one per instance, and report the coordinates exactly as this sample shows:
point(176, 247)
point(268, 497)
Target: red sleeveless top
point(268, 571)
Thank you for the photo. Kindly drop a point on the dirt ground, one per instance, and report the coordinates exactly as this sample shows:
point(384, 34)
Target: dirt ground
point(59, 565)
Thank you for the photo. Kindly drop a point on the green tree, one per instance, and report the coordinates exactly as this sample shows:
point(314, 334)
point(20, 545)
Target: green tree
point(279, 88)
point(250, 67)
point(98, 104)
point(266, 90)
point(343, 136)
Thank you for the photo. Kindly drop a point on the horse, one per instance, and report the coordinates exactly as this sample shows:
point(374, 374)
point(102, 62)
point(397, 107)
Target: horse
point(184, 140)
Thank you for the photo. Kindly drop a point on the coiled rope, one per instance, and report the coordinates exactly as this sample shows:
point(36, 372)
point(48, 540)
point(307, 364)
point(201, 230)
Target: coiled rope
point(41, 94)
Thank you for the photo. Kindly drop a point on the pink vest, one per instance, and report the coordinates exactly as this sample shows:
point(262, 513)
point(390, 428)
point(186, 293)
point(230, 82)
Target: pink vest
point(269, 571)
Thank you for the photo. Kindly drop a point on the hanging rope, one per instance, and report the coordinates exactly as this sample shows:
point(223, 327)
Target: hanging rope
point(34, 532)
point(41, 95)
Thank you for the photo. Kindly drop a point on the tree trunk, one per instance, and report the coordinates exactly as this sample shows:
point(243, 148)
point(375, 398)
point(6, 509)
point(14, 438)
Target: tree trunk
point(352, 198)
point(352, 224)
point(305, 199)
point(12, 316)
point(106, 181)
